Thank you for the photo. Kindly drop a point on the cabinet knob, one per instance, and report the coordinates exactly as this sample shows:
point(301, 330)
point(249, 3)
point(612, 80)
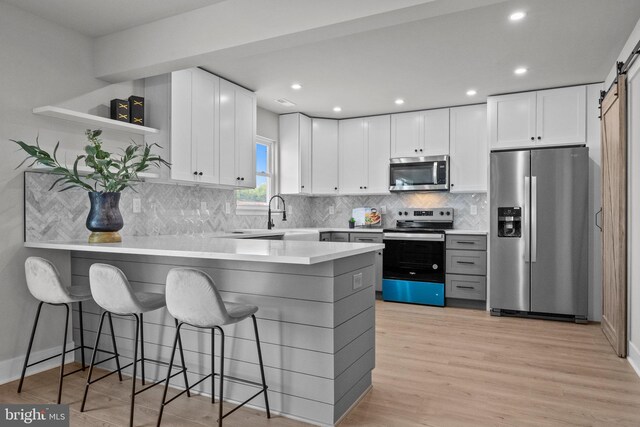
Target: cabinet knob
point(365, 187)
point(200, 173)
point(335, 188)
point(452, 185)
point(532, 138)
point(361, 187)
point(421, 150)
point(195, 173)
point(238, 179)
point(302, 186)
point(416, 150)
point(242, 179)
point(539, 137)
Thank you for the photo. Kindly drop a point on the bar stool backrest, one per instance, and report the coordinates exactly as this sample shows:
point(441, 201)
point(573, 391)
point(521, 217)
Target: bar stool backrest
point(43, 281)
point(192, 298)
point(111, 289)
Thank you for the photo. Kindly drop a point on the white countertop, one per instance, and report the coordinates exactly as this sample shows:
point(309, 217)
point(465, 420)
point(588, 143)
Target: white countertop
point(279, 231)
point(219, 246)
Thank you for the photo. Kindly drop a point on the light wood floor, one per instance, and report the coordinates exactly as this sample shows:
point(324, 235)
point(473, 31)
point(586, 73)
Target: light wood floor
point(434, 367)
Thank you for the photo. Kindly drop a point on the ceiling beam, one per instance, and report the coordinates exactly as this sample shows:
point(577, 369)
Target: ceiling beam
point(236, 28)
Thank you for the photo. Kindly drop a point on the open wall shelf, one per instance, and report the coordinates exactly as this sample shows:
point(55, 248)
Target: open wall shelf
point(93, 121)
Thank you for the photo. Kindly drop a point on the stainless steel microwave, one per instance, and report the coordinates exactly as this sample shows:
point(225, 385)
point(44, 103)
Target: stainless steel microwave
point(419, 174)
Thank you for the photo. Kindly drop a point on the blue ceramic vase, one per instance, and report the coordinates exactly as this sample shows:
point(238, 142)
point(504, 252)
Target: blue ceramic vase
point(104, 219)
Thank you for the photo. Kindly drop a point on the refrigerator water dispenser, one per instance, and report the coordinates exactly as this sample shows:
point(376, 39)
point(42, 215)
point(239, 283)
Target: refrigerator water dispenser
point(510, 222)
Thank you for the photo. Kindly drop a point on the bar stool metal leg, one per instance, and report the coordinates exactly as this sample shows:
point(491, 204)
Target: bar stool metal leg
point(64, 352)
point(221, 400)
point(93, 362)
point(81, 334)
point(166, 384)
point(184, 366)
point(213, 366)
point(115, 348)
point(142, 347)
point(26, 359)
point(135, 366)
point(264, 382)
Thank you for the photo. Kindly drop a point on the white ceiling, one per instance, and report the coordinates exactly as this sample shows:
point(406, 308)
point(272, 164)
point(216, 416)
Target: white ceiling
point(429, 60)
point(96, 18)
point(433, 62)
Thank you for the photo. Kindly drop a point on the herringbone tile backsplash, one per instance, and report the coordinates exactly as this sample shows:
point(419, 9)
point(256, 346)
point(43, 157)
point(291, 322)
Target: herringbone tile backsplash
point(174, 209)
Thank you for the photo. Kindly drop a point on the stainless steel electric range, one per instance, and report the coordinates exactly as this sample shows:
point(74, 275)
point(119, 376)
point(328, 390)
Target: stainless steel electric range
point(414, 256)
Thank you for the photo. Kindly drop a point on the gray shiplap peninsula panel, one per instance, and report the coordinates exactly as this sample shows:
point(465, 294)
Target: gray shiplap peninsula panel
point(316, 327)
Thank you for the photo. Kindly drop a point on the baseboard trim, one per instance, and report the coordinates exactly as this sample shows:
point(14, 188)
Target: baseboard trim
point(11, 369)
point(634, 357)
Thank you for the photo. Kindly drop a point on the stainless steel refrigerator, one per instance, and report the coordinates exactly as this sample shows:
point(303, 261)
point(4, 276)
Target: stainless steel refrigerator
point(539, 232)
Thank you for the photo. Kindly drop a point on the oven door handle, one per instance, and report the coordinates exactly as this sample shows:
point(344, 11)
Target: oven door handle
point(415, 237)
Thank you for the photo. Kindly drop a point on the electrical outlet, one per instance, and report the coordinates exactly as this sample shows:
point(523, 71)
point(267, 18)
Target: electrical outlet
point(473, 210)
point(137, 206)
point(227, 208)
point(383, 210)
point(290, 210)
point(357, 281)
point(332, 210)
point(203, 206)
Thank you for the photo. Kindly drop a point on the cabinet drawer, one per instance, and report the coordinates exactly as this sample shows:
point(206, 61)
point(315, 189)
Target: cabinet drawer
point(339, 237)
point(466, 262)
point(325, 237)
point(466, 287)
point(467, 242)
point(365, 237)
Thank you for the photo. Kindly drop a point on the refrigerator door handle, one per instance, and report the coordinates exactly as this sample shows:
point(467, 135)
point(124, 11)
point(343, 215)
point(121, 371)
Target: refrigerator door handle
point(534, 218)
point(527, 197)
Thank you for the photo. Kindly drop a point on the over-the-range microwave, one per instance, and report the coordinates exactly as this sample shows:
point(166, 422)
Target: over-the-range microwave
point(419, 174)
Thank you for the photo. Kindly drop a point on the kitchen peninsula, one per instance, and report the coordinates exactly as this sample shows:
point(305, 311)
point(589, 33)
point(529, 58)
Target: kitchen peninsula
point(316, 313)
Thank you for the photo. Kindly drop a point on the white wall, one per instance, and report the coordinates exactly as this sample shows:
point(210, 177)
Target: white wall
point(41, 64)
point(267, 124)
point(633, 39)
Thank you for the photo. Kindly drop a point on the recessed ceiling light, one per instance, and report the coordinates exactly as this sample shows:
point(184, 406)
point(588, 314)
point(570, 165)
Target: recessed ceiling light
point(471, 92)
point(520, 70)
point(399, 101)
point(337, 109)
point(516, 16)
point(296, 86)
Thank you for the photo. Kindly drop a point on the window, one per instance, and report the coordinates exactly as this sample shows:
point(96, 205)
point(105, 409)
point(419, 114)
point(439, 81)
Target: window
point(257, 199)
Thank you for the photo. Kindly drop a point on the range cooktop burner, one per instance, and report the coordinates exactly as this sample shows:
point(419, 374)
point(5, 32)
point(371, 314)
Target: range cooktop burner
point(420, 220)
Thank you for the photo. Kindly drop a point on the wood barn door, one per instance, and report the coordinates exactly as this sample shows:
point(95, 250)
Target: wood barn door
point(614, 216)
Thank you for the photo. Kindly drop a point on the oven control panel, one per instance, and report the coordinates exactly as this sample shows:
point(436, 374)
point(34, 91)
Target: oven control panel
point(433, 215)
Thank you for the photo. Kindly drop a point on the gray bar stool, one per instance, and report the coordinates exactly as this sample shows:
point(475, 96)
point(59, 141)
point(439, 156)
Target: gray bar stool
point(192, 299)
point(44, 283)
point(112, 291)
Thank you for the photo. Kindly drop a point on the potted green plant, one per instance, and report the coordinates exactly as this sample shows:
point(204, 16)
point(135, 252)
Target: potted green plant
point(109, 175)
point(352, 222)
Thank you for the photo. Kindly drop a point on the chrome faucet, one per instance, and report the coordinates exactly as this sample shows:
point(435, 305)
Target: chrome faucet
point(270, 223)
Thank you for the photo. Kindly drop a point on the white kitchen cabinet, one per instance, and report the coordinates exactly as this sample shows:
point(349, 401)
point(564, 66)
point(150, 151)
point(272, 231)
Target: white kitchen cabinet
point(561, 116)
point(237, 136)
point(364, 155)
point(529, 119)
point(468, 163)
point(194, 121)
point(351, 159)
point(324, 156)
point(378, 129)
point(436, 132)
point(420, 133)
point(295, 154)
point(212, 129)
